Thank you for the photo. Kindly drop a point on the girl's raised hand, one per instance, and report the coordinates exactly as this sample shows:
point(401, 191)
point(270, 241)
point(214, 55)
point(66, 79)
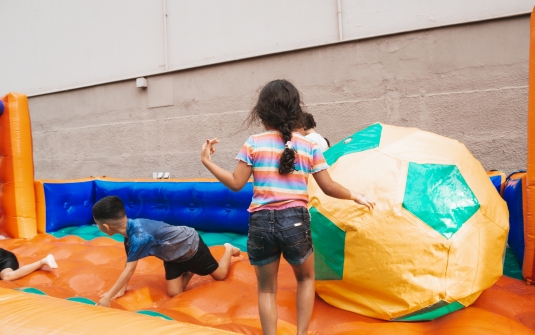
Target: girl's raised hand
point(362, 200)
point(208, 149)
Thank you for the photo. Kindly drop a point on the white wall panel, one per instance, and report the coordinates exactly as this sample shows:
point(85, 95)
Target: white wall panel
point(368, 18)
point(59, 44)
point(204, 32)
point(50, 45)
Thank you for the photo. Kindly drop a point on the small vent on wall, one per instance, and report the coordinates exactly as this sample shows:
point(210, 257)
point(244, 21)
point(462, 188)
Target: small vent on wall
point(161, 175)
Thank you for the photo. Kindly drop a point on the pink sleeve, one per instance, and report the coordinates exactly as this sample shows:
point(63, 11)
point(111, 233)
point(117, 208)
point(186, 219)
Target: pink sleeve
point(246, 152)
point(318, 161)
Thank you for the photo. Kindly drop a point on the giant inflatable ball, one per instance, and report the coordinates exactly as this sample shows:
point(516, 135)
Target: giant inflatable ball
point(434, 241)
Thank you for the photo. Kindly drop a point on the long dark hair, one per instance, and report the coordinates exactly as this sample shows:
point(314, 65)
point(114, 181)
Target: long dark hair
point(279, 107)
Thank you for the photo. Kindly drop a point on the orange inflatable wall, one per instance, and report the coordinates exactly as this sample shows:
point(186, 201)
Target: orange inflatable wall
point(37, 314)
point(17, 197)
point(528, 268)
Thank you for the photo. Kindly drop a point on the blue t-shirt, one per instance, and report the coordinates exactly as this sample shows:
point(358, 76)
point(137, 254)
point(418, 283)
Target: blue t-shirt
point(155, 238)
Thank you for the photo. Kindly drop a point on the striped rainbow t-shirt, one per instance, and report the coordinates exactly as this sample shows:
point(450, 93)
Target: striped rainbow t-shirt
point(271, 190)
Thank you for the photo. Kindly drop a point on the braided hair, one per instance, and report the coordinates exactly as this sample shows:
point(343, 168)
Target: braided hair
point(279, 107)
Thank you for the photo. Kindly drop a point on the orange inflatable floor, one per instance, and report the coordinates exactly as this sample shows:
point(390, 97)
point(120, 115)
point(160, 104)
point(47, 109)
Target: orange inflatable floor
point(89, 268)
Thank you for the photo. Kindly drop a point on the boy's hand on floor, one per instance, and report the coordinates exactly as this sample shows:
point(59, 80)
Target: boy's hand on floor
point(104, 301)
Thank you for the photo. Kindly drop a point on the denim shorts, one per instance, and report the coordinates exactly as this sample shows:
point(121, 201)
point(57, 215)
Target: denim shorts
point(272, 232)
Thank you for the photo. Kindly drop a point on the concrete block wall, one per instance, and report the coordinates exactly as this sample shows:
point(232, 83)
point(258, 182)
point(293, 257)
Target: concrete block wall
point(468, 82)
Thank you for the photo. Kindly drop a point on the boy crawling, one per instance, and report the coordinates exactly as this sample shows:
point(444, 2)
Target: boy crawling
point(182, 250)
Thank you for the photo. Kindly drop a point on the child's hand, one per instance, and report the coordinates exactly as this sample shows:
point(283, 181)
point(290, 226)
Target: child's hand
point(362, 200)
point(118, 295)
point(208, 149)
point(104, 301)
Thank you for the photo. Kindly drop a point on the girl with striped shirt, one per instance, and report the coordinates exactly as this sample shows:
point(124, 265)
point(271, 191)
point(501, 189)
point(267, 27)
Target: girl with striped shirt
point(280, 160)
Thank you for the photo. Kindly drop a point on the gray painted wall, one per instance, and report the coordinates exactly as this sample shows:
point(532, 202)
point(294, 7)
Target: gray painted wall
point(468, 82)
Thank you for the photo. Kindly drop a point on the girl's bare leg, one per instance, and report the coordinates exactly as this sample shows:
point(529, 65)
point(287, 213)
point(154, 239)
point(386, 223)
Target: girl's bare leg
point(304, 274)
point(266, 276)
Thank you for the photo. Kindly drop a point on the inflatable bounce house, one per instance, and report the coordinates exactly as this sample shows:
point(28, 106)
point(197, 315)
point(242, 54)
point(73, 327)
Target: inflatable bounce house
point(429, 259)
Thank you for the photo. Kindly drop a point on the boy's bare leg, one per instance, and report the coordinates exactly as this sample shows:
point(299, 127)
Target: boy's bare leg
point(186, 277)
point(10, 274)
point(178, 285)
point(304, 274)
point(266, 277)
point(224, 263)
point(174, 286)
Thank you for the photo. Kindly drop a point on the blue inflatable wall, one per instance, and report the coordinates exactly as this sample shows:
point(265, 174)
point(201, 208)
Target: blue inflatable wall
point(513, 195)
point(207, 206)
point(68, 204)
point(498, 179)
point(497, 182)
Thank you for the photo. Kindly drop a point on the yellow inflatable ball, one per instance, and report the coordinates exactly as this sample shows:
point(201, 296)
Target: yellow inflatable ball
point(434, 241)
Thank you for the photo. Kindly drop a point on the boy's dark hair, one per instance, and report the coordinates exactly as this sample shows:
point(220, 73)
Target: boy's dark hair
point(279, 107)
point(108, 208)
point(308, 121)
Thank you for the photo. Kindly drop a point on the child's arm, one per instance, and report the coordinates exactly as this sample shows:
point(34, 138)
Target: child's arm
point(121, 291)
point(235, 181)
point(335, 190)
point(119, 284)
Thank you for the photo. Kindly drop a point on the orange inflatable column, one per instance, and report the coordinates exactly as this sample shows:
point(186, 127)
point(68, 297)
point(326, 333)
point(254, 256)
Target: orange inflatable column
point(17, 195)
point(528, 268)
